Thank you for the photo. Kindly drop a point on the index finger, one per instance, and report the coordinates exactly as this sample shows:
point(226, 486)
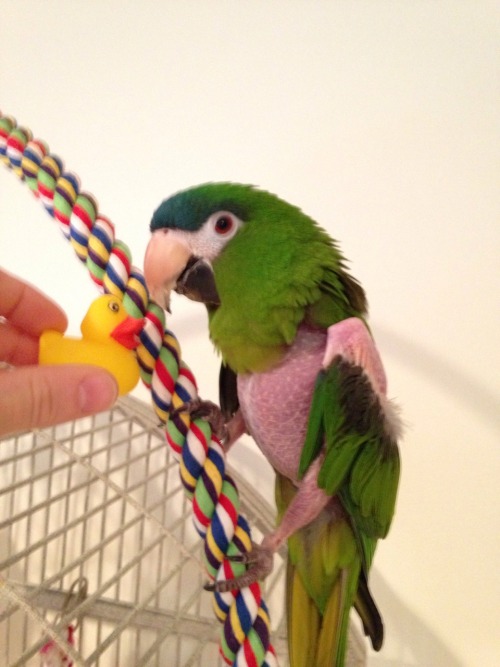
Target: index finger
point(28, 309)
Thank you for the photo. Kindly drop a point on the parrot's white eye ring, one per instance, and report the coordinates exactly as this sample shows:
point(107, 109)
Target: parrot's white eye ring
point(219, 228)
point(114, 306)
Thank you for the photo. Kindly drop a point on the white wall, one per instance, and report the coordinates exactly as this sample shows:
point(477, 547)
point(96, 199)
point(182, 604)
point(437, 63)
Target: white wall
point(381, 120)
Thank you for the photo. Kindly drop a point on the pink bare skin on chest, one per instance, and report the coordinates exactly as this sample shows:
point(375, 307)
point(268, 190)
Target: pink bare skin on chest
point(275, 404)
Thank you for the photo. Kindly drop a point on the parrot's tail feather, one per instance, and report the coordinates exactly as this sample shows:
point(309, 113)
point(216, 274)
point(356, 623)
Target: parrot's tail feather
point(303, 619)
point(322, 578)
point(369, 614)
point(331, 642)
point(315, 639)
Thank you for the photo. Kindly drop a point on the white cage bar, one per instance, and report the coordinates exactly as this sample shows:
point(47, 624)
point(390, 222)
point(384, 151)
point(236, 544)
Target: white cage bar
point(95, 531)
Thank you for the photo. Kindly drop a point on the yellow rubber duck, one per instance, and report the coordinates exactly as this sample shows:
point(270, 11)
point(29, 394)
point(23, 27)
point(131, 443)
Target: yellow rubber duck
point(110, 336)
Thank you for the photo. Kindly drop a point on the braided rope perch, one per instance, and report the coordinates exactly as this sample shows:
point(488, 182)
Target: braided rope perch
point(245, 636)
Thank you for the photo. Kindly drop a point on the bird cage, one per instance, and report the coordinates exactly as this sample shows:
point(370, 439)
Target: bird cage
point(99, 561)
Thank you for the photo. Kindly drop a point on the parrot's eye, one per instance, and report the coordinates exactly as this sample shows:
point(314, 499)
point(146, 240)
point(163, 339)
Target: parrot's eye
point(114, 306)
point(216, 232)
point(224, 224)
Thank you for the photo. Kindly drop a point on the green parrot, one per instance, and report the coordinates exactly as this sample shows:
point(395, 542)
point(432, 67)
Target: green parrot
point(301, 374)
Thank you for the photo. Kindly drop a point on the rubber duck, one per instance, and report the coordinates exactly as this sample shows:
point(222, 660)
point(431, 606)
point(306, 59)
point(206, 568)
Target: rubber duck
point(110, 336)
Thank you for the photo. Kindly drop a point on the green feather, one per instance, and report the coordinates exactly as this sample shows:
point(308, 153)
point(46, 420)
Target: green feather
point(373, 487)
point(263, 302)
point(315, 426)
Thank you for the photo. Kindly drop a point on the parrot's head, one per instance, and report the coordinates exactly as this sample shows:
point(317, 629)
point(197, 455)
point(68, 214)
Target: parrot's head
point(189, 232)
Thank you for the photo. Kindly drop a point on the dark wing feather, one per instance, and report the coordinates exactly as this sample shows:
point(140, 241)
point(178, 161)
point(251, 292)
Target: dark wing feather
point(228, 392)
point(369, 613)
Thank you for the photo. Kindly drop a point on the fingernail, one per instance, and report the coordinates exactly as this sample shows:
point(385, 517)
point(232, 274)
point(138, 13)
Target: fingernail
point(97, 392)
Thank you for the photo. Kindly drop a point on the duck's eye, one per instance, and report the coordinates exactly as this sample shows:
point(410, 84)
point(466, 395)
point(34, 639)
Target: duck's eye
point(224, 224)
point(114, 306)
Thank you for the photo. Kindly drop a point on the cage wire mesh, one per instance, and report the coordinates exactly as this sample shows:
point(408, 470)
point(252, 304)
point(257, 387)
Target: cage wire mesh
point(96, 534)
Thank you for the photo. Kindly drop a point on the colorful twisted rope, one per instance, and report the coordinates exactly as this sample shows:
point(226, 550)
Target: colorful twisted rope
point(245, 639)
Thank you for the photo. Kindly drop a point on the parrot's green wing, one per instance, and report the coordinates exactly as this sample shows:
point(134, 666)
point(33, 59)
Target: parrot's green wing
point(349, 425)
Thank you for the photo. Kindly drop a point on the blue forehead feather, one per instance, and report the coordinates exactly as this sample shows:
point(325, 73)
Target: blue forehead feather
point(189, 209)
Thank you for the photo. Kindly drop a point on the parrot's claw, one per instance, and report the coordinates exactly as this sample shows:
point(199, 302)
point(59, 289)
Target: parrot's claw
point(260, 562)
point(209, 412)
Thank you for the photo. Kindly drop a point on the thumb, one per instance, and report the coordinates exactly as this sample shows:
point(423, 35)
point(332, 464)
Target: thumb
point(39, 396)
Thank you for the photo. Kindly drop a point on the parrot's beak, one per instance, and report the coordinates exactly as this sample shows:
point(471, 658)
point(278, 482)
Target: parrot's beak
point(197, 282)
point(169, 265)
point(165, 260)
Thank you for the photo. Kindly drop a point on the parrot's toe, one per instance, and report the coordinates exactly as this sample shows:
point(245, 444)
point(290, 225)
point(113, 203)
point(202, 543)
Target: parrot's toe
point(209, 412)
point(260, 565)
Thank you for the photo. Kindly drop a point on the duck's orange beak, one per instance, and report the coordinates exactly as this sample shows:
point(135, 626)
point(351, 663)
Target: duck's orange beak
point(127, 332)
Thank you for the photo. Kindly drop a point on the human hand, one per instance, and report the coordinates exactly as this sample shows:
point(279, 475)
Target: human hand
point(33, 396)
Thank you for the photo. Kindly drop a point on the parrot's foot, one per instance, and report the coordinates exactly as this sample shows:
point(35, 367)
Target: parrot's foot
point(209, 412)
point(260, 565)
